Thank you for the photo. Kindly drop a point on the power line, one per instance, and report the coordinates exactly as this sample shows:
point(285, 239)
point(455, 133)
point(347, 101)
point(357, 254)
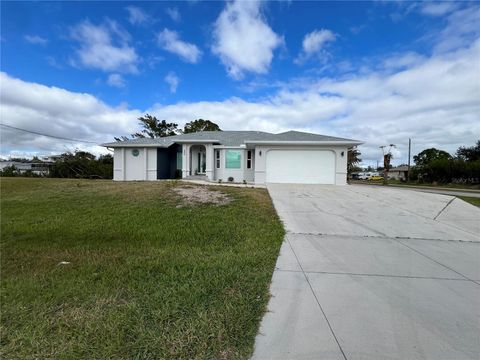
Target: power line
point(47, 135)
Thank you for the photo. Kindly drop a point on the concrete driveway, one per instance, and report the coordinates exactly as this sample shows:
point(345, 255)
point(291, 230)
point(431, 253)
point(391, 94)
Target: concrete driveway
point(373, 273)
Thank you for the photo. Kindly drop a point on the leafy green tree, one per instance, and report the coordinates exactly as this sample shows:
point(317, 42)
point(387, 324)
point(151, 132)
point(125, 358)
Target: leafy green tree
point(471, 153)
point(428, 155)
point(200, 125)
point(82, 165)
point(153, 128)
point(9, 171)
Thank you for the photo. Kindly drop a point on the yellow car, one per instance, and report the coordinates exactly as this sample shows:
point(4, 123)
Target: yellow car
point(375, 178)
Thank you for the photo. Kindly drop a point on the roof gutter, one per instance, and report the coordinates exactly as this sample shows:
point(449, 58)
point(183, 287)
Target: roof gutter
point(138, 145)
point(277, 142)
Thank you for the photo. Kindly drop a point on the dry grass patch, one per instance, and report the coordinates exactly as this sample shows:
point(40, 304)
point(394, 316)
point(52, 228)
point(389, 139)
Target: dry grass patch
point(201, 195)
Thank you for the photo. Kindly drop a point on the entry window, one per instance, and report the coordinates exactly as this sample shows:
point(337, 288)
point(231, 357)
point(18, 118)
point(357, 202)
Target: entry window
point(179, 160)
point(249, 159)
point(217, 159)
point(233, 159)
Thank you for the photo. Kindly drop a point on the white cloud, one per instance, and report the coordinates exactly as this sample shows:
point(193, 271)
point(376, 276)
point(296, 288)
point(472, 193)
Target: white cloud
point(405, 60)
point(243, 40)
point(462, 27)
point(170, 41)
point(438, 8)
point(35, 39)
point(57, 112)
point(116, 80)
point(137, 16)
point(172, 80)
point(435, 100)
point(314, 44)
point(174, 14)
point(105, 47)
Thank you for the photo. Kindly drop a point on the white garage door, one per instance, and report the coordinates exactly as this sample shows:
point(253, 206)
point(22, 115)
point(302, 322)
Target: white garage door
point(300, 166)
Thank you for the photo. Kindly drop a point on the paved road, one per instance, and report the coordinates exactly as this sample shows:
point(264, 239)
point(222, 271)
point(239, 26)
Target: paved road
point(444, 191)
point(373, 274)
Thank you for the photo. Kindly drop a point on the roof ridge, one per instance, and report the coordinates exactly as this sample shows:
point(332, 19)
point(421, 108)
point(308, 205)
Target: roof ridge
point(230, 138)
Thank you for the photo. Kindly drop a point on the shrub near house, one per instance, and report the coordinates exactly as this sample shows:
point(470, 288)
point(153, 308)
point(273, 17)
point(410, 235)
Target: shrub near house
point(82, 165)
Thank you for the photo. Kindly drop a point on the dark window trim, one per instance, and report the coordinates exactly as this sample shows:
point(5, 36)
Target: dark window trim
point(249, 159)
point(217, 158)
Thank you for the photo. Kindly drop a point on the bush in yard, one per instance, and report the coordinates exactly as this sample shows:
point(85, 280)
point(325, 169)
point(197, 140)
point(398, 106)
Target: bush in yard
point(10, 171)
point(82, 165)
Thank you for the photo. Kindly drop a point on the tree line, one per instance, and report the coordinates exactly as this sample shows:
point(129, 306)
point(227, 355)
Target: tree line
point(434, 165)
point(77, 164)
point(85, 165)
point(431, 165)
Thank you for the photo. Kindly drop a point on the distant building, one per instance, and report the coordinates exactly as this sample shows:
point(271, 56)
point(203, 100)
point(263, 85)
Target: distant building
point(398, 173)
point(50, 158)
point(38, 168)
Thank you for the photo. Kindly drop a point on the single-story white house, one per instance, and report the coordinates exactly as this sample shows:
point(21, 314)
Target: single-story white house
point(398, 173)
point(236, 156)
point(37, 168)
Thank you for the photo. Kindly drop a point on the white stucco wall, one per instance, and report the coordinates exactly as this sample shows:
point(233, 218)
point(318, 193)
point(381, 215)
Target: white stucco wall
point(144, 166)
point(118, 154)
point(152, 164)
point(134, 165)
point(127, 167)
point(238, 174)
point(340, 161)
point(185, 160)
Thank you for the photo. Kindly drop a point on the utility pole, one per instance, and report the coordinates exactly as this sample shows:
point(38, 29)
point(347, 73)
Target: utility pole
point(387, 156)
point(409, 148)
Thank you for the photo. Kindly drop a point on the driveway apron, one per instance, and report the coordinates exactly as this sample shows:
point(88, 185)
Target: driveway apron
point(373, 273)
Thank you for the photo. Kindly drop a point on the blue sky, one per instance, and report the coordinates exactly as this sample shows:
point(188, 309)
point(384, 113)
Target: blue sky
point(377, 71)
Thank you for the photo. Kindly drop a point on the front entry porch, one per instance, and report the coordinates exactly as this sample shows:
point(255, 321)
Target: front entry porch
point(198, 160)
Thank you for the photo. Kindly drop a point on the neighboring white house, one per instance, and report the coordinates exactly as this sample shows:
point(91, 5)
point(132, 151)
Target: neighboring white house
point(398, 173)
point(38, 168)
point(237, 156)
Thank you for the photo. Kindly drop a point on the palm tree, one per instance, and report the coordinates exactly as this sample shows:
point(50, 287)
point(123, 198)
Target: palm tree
point(353, 159)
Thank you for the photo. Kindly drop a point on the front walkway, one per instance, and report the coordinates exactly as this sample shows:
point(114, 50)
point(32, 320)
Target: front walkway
point(373, 274)
point(206, 182)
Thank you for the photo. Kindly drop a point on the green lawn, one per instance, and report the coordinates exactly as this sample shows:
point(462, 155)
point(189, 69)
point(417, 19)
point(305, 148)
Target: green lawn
point(472, 200)
point(149, 277)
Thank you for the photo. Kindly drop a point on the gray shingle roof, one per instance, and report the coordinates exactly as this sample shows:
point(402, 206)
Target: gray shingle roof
point(227, 138)
point(304, 136)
